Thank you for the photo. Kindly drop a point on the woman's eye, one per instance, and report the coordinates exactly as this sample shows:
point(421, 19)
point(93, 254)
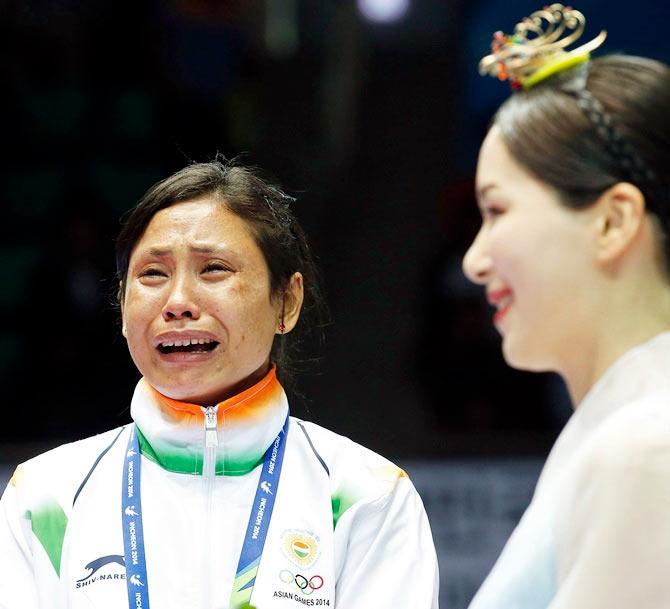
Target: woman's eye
point(152, 273)
point(216, 267)
point(493, 212)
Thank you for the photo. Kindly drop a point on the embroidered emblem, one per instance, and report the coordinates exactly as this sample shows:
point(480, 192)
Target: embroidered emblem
point(301, 547)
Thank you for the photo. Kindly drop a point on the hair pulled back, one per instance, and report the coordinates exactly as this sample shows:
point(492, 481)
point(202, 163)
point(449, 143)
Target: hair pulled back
point(266, 210)
point(586, 129)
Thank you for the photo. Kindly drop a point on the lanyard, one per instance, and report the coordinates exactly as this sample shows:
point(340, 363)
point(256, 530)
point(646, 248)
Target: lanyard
point(254, 539)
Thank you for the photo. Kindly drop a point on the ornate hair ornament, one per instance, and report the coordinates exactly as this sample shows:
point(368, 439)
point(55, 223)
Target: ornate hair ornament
point(536, 50)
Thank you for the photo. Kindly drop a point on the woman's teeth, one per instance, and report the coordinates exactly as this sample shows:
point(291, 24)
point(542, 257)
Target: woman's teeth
point(503, 303)
point(188, 344)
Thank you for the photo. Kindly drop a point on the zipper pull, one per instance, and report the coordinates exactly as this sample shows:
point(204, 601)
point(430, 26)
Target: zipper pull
point(211, 438)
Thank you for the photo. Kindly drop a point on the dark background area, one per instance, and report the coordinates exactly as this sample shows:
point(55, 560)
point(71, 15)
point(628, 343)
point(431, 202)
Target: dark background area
point(373, 126)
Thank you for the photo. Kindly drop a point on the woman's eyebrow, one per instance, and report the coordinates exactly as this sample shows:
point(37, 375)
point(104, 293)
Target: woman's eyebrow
point(483, 190)
point(205, 249)
point(159, 251)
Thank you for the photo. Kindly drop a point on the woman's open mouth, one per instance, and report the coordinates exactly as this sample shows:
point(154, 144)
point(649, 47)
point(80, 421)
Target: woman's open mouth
point(192, 345)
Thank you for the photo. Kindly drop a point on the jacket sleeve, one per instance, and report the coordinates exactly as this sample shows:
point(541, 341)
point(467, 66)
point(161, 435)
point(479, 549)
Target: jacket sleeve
point(390, 558)
point(17, 584)
point(615, 550)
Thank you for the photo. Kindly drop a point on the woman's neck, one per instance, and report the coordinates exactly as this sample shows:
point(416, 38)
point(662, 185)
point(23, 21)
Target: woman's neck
point(624, 322)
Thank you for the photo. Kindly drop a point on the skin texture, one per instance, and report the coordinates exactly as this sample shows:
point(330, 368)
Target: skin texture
point(573, 289)
point(525, 254)
point(197, 272)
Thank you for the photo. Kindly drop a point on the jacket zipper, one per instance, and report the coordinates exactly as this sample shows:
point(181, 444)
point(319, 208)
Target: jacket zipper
point(211, 443)
point(208, 477)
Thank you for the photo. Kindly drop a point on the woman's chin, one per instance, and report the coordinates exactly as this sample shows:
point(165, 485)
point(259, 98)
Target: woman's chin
point(521, 356)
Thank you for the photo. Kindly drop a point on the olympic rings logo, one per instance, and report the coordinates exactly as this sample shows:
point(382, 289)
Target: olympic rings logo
point(306, 586)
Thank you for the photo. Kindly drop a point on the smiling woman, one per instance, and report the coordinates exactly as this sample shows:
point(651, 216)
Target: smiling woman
point(574, 254)
point(225, 499)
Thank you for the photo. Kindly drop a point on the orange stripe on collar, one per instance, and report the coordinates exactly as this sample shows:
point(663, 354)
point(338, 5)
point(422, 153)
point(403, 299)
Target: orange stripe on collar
point(241, 406)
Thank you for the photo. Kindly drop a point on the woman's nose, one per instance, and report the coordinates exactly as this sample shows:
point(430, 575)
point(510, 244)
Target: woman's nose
point(477, 261)
point(182, 302)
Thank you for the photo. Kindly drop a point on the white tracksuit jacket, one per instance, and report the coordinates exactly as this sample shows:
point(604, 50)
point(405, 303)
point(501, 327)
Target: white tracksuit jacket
point(342, 513)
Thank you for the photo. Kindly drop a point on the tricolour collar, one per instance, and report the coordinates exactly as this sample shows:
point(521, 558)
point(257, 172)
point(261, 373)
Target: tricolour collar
point(172, 433)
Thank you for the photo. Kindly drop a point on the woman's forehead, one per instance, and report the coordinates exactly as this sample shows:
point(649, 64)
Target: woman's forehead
point(494, 163)
point(206, 225)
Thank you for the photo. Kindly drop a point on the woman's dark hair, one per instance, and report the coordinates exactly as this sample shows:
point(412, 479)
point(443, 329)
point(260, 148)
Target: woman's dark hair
point(600, 123)
point(266, 210)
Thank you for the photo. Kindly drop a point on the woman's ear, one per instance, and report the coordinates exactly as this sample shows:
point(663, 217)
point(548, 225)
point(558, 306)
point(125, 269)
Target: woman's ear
point(620, 214)
point(290, 303)
point(119, 297)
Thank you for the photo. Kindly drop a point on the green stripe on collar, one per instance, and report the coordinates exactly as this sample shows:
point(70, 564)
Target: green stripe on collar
point(189, 461)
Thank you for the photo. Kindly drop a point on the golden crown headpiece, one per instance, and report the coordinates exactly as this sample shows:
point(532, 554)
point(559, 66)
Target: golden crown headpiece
point(536, 50)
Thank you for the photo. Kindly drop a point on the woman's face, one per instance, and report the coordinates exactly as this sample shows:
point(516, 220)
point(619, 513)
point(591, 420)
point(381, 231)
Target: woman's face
point(197, 311)
point(534, 256)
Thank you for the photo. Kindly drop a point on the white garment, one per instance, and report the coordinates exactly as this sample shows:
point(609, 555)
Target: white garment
point(359, 523)
point(597, 532)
